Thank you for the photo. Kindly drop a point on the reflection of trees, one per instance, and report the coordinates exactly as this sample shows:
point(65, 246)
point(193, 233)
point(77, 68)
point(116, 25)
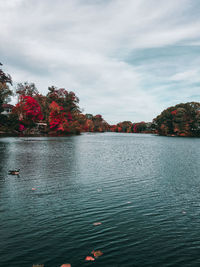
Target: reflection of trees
point(2, 160)
point(8, 161)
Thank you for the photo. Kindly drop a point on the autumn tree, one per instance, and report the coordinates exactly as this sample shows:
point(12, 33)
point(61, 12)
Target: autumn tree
point(57, 118)
point(67, 99)
point(44, 105)
point(100, 125)
point(124, 126)
point(68, 104)
point(28, 111)
point(139, 127)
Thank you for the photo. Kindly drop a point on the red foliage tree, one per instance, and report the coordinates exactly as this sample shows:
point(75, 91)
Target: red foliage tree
point(28, 109)
point(57, 118)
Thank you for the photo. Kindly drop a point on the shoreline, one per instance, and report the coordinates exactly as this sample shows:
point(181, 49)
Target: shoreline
point(4, 134)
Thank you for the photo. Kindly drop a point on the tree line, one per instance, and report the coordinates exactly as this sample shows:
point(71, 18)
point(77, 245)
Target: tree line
point(58, 113)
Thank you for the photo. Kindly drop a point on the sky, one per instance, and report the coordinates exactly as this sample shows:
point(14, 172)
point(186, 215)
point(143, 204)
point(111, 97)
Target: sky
point(124, 59)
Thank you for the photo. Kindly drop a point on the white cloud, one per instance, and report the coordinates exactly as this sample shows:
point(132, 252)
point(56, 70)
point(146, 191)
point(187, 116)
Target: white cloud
point(191, 76)
point(84, 45)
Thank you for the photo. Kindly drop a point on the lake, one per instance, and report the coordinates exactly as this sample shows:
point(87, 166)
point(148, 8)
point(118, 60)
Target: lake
point(143, 189)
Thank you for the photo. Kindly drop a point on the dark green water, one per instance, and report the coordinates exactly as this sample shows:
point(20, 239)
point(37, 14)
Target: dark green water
point(144, 189)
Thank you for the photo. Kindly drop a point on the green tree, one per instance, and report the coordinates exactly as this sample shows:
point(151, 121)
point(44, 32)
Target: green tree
point(27, 89)
point(5, 92)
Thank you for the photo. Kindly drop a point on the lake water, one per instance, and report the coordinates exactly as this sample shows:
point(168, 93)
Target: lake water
point(144, 189)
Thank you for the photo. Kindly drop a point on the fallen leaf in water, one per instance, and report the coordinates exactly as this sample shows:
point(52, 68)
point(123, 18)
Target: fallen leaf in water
point(97, 223)
point(33, 188)
point(89, 258)
point(97, 253)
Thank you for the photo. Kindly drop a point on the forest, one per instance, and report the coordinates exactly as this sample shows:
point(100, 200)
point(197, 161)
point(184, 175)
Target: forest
point(58, 114)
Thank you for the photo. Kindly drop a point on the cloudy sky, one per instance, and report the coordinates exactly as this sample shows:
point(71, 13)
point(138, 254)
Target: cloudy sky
point(124, 59)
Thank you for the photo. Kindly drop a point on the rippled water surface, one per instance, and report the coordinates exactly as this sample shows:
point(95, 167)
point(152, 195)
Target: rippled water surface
point(144, 189)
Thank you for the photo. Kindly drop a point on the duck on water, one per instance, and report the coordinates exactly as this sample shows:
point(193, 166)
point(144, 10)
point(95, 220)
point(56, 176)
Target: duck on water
point(14, 172)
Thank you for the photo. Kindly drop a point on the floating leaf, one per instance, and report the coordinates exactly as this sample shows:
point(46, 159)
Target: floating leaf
point(97, 223)
point(97, 253)
point(89, 258)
